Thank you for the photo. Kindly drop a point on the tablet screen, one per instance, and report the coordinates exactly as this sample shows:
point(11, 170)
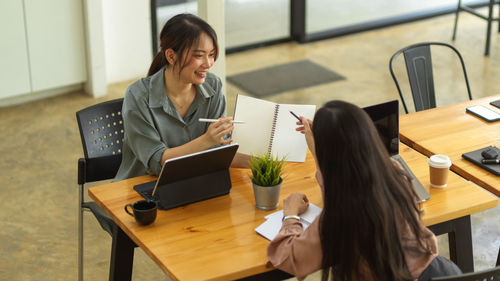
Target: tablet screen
point(196, 164)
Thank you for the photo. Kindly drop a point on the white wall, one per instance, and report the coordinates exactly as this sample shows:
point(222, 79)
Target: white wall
point(213, 13)
point(127, 39)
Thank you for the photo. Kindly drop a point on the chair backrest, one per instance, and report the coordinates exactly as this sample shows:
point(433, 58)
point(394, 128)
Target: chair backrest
point(418, 61)
point(101, 131)
point(492, 274)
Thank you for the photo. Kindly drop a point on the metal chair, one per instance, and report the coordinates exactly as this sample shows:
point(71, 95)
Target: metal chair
point(492, 274)
point(101, 131)
point(498, 258)
point(419, 67)
point(488, 18)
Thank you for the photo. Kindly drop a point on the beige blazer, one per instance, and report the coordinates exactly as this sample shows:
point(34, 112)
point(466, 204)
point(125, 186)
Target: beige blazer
point(298, 252)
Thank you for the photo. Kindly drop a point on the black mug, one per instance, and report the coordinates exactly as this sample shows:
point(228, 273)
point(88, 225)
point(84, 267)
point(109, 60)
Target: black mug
point(144, 211)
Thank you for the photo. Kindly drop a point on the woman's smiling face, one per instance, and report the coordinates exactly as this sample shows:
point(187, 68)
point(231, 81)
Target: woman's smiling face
point(198, 61)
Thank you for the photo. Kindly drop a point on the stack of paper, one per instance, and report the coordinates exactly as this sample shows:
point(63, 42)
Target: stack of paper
point(271, 227)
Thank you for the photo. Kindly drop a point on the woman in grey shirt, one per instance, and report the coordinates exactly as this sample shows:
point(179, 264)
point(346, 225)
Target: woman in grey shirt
point(161, 111)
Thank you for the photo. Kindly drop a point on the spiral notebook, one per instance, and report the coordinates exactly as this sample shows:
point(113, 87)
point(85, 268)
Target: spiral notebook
point(269, 127)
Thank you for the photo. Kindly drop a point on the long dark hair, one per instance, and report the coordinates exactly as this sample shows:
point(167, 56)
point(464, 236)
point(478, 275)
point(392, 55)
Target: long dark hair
point(180, 33)
point(366, 199)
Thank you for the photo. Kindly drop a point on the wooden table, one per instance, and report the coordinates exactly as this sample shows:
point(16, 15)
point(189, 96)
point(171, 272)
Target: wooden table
point(215, 239)
point(450, 130)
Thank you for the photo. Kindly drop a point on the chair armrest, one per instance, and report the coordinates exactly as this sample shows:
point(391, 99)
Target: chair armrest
point(99, 168)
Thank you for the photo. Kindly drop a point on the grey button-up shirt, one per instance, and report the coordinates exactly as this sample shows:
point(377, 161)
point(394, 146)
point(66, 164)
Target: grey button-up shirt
point(152, 123)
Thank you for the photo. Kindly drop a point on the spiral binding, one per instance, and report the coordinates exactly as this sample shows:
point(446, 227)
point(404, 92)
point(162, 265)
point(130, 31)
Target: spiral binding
point(273, 128)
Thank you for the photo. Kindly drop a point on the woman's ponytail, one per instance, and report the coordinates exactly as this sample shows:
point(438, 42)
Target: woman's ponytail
point(158, 62)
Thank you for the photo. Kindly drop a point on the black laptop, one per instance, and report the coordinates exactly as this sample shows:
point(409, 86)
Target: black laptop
point(386, 119)
point(191, 178)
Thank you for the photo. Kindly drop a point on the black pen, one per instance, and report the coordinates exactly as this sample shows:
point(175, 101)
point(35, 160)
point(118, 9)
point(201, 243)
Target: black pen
point(294, 115)
point(490, 161)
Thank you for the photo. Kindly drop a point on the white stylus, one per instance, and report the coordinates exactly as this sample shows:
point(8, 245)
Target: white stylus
point(215, 120)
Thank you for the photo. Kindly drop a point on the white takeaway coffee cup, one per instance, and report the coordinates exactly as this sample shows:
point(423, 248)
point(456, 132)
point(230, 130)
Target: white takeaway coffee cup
point(439, 166)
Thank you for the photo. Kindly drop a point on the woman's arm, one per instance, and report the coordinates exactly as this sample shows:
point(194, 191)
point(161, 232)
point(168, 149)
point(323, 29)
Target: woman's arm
point(293, 250)
point(212, 137)
point(296, 251)
point(305, 127)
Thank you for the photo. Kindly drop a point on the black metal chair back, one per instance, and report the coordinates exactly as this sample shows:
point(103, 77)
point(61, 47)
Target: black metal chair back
point(418, 62)
point(492, 274)
point(101, 132)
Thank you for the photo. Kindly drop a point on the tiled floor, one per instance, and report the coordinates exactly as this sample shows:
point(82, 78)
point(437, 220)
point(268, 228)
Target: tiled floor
point(40, 144)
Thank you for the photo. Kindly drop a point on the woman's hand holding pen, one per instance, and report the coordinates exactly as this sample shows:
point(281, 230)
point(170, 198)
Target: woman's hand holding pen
point(295, 204)
point(305, 127)
point(217, 130)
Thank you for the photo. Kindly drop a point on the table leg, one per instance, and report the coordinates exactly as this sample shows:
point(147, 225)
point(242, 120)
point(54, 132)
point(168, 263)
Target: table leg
point(459, 240)
point(122, 256)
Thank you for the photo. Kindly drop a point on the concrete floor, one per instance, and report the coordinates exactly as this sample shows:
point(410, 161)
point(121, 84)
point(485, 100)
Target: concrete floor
point(40, 144)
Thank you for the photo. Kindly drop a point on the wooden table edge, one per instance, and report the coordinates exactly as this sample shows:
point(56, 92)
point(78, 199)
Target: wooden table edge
point(484, 206)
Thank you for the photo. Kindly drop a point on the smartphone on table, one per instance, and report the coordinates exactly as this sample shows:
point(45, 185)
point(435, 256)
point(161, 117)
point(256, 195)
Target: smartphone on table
point(484, 113)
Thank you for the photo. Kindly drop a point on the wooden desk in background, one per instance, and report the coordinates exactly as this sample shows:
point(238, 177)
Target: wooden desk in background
point(215, 239)
point(451, 131)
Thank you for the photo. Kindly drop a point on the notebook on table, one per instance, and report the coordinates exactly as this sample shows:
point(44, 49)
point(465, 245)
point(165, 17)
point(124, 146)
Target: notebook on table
point(386, 119)
point(271, 227)
point(191, 178)
point(270, 128)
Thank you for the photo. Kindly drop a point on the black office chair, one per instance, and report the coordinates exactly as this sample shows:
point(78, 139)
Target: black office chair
point(492, 274)
point(419, 68)
point(489, 18)
point(101, 131)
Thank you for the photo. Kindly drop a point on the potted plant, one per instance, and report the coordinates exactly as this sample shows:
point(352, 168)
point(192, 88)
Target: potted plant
point(266, 180)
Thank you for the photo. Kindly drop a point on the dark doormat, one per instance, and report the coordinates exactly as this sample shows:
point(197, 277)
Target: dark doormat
point(282, 78)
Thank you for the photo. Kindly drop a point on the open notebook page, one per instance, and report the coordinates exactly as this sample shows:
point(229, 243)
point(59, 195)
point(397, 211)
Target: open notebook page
point(271, 227)
point(287, 141)
point(253, 136)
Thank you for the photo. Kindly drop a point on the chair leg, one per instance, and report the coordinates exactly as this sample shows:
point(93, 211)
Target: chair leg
point(456, 20)
point(488, 30)
point(80, 239)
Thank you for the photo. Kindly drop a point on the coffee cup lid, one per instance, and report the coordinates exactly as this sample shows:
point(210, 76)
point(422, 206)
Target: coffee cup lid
point(440, 161)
